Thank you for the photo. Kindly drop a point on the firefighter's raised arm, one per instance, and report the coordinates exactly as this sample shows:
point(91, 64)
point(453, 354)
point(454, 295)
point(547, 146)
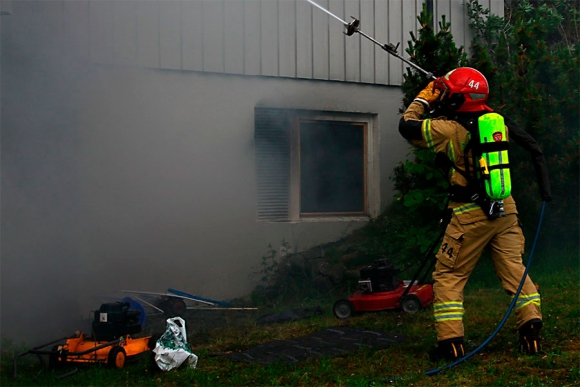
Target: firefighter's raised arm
point(410, 124)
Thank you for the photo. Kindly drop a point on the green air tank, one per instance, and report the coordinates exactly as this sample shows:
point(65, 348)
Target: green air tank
point(494, 160)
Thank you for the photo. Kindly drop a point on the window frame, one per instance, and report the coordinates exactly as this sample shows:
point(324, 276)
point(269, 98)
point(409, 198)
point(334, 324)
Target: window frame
point(277, 164)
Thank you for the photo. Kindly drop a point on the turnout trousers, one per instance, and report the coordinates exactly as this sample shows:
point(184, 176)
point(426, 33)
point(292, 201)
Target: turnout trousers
point(460, 250)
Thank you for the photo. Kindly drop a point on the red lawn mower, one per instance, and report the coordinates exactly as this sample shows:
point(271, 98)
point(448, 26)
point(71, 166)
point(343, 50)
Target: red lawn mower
point(379, 289)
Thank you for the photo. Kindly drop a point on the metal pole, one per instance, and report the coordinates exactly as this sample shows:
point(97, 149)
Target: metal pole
point(354, 27)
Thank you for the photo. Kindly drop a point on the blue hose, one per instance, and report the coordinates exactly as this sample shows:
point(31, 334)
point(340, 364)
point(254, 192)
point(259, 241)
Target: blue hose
point(501, 324)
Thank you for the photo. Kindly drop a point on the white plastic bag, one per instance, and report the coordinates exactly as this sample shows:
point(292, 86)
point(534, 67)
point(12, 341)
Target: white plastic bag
point(172, 349)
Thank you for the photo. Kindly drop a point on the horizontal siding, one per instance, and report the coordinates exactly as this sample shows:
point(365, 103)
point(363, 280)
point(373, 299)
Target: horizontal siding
point(280, 38)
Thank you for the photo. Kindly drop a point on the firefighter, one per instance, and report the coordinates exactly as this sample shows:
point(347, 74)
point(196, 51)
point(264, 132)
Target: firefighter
point(461, 95)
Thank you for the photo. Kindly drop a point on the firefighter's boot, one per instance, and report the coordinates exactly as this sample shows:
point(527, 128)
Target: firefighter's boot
point(530, 339)
point(449, 350)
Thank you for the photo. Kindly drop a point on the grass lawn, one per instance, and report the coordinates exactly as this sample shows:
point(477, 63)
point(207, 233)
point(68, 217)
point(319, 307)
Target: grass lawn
point(402, 364)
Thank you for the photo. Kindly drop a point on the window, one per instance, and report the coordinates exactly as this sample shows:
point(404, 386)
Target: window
point(315, 165)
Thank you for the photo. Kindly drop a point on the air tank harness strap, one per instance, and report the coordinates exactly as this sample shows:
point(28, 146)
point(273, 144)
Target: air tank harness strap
point(461, 194)
point(492, 147)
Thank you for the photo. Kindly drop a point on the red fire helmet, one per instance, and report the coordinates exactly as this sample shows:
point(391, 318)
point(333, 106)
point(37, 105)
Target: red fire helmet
point(465, 89)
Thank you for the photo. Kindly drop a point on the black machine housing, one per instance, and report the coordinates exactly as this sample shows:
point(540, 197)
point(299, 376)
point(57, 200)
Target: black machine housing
point(114, 320)
point(380, 276)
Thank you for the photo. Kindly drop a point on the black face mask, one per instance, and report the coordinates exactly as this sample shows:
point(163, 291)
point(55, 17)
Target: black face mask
point(448, 107)
point(454, 102)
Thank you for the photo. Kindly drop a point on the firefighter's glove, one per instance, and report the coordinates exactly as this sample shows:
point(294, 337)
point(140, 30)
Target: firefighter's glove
point(428, 96)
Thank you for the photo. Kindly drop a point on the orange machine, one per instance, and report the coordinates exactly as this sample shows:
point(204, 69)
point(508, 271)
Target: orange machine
point(111, 342)
point(82, 349)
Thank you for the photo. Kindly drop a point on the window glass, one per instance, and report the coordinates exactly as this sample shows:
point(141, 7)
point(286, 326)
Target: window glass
point(332, 173)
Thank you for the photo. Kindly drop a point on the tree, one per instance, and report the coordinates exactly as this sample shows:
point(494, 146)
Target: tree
point(421, 185)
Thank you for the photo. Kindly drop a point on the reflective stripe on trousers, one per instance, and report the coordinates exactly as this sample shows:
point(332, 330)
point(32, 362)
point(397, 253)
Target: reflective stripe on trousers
point(527, 299)
point(448, 311)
